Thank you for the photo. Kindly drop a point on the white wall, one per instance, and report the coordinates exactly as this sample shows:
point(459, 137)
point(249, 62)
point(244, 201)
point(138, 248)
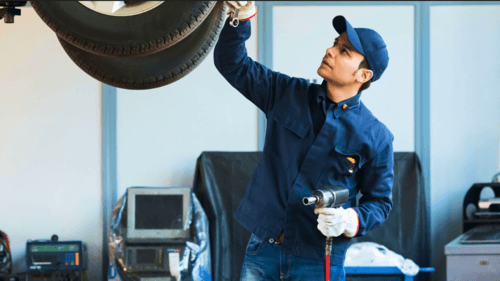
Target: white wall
point(301, 35)
point(161, 132)
point(50, 156)
point(464, 111)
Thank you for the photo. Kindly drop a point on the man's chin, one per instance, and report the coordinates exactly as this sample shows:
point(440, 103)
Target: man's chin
point(320, 72)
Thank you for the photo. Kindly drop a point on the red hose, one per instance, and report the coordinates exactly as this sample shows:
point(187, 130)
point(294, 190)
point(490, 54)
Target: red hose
point(327, 268)
point(8, 242)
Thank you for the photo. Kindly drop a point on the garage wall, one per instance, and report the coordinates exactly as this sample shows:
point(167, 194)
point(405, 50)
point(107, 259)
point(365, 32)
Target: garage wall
point(161, 132)
point(464, 113)
point(50, 155)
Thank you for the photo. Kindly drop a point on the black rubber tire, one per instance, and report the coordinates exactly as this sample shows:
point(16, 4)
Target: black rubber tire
point(142, 34)
point(158, 69)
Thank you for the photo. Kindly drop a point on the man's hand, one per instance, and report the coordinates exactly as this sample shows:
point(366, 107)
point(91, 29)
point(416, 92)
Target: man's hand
point(332, 222)
point(241, 10)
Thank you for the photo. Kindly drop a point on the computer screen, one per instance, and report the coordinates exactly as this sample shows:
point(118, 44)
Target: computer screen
point(157, 214)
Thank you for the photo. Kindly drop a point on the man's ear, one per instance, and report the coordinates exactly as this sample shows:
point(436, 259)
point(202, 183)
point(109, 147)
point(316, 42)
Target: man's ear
point(365, 75)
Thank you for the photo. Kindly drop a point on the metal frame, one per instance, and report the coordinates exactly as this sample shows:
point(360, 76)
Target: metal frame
point(109, 176)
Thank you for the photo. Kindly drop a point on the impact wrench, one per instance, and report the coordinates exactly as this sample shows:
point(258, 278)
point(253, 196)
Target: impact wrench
point(328, 197)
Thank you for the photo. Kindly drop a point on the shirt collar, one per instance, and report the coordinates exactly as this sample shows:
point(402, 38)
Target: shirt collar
point(321, 93)
point(350, 102)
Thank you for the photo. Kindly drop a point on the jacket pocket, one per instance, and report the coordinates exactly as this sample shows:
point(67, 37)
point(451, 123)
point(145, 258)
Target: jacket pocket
point(286, 135)
point(342, 169)
point(348, 162)
point(292, 125)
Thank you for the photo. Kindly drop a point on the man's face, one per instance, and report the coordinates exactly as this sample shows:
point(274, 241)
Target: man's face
point(340, 63)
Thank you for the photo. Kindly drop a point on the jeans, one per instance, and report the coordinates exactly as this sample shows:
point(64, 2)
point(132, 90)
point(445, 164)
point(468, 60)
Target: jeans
point(265, 261)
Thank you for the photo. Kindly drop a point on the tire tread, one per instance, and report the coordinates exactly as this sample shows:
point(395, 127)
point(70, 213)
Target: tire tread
point(161, 80)
point(115, 50)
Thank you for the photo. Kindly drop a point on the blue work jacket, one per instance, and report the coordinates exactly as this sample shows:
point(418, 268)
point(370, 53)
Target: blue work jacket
point(308, 140)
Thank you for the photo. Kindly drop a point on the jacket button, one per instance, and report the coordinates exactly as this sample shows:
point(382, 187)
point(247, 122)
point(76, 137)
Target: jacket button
point(271, 240)
point(344, 106)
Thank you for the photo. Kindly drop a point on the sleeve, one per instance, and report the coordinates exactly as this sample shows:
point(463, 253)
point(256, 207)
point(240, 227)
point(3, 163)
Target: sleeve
point(376, 180)
point(252, 79)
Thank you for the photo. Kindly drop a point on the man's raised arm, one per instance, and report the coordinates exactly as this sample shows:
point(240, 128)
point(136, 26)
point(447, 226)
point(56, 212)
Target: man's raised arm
point(255, 81)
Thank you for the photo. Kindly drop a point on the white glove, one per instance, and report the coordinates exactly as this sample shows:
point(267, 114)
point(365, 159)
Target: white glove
point(246, 9)
point(332, 222)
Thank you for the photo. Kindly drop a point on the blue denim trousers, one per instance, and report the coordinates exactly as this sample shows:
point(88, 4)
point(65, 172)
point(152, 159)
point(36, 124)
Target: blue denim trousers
point(265, 261)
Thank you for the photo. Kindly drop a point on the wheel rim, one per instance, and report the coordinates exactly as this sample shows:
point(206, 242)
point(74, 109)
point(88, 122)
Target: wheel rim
point(121, 8)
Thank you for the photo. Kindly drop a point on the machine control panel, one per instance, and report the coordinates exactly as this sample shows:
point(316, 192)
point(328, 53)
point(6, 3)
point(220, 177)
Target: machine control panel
point(54, 255)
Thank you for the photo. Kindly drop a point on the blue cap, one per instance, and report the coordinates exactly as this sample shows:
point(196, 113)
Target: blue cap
point(368, 42)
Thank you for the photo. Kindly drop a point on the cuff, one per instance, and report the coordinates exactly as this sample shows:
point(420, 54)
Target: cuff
point(352, 225)
point(247, 18)
point(248, 13)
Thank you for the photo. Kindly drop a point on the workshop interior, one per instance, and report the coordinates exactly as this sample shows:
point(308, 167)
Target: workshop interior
point(124, 153)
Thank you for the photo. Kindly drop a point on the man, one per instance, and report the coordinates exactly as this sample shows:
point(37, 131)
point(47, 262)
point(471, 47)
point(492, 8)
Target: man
point(317, 136)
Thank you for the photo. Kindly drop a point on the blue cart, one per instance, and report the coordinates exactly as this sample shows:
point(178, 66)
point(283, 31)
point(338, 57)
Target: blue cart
point(381, 271)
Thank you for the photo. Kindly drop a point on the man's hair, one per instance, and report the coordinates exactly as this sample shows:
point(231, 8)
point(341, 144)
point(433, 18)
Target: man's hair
point(364, 64)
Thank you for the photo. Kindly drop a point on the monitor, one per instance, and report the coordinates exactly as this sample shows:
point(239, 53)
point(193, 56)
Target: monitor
point(157, 214)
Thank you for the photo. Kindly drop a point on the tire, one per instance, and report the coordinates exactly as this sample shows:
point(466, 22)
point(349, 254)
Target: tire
point(155, 70)
point(123, 36)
